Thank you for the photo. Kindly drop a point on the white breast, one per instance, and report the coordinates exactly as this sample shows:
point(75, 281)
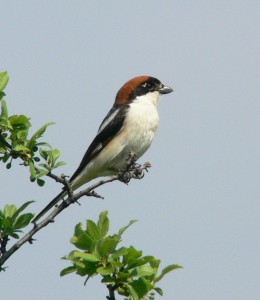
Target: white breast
point(141, 123)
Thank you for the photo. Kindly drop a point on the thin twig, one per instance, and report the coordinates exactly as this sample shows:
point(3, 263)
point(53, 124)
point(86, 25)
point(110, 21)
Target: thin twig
point(3, 140)
point(56, 178)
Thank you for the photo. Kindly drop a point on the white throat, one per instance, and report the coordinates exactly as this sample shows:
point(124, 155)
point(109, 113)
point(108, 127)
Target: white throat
point(150, 98)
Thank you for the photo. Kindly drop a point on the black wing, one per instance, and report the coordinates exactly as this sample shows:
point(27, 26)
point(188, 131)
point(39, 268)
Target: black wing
point(110, 127)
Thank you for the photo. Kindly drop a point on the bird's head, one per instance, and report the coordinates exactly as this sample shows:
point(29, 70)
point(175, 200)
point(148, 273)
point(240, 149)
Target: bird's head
point(139, 87)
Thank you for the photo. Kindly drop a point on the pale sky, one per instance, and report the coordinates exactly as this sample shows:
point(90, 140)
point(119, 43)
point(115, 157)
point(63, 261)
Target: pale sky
point(199, 204)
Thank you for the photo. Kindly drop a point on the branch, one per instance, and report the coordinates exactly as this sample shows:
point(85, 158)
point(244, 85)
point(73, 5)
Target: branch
point(62, 179)
point(131, 170)
point(111, 289)
point(50, 218)
point(3, 242)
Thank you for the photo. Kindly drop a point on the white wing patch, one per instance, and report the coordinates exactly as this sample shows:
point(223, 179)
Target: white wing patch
point(107, 120)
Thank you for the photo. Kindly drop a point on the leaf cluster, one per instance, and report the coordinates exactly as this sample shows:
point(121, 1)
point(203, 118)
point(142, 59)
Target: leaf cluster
point(11, 222)
point(15, 141)
point(123, 269)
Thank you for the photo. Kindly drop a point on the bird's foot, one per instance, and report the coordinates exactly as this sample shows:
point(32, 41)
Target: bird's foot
point(132, 169)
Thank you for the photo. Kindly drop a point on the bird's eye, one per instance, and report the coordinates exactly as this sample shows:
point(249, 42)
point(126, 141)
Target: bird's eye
point(147, 85)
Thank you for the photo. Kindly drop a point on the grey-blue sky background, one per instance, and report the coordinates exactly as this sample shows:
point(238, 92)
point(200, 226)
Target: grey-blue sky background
point(199, 204)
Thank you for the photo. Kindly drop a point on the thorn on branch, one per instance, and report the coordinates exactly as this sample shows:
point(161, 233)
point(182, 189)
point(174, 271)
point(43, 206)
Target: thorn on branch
point(31, 240)
point(94, 194)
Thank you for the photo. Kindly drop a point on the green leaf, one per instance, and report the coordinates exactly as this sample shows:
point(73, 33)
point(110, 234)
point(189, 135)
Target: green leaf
point(158, 290)
point(120, 252)
point(22, 208)
point(20, 122)
point(107, 246)
point(38, 134)
point(132, 253)
point(108, 280)
point(43, 144)
point(19, 148)
point(40, 182)
point(141, 287)
point(79, 263)
point(103, 223)
point(132, 292)
point(145, 271)
point(9, 210)
point(22, 135)
point(105, 270)
point(124, 275)
point(115, 263)
point(33, 175)
point(4, 111)
point(68, 270)
point(93, 230)
point(85, 269)
point(84, 241)
point(14, 235)
point(5, 159)
point(123, 229)
point(70, 256)
point(154, 262)
point(55, 154)
point(5, 221)
point(41, 172)
point(135, 262)
point(78, 229)
point(59, 164)
point(23, 220)
point(2, 94)
point(3, 80)
point(167, 270)
point(44, 153)
point(1, 215)
point(87, 256)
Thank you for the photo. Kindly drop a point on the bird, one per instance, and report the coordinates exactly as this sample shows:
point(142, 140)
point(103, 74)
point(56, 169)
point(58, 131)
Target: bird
point(130, 125)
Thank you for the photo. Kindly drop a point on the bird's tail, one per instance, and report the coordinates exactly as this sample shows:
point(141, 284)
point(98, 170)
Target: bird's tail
point(50, 205)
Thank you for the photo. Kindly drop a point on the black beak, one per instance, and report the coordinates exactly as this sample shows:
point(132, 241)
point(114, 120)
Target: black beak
point(165, 90)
